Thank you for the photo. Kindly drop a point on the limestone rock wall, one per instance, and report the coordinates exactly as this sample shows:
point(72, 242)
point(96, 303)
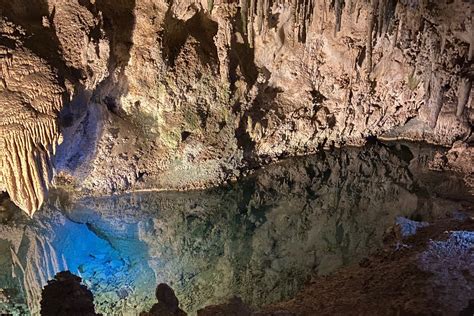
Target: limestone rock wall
point(188, 94)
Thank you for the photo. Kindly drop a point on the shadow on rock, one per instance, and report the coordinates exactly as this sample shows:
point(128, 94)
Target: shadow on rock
point(168, 304)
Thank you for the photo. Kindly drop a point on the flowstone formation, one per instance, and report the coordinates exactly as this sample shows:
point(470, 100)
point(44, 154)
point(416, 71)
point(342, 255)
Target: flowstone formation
point(30, 99)
point(189, 94)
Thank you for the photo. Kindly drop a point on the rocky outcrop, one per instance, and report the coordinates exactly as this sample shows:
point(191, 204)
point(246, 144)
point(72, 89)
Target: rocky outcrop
point(190, 94)
point(459, 159)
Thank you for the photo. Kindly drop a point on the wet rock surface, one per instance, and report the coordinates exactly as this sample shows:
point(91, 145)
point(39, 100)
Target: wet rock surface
point(420, 278)
point(260, 239)
point(190, 94)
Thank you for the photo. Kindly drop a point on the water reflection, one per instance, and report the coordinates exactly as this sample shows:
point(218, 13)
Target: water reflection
point(260, 238)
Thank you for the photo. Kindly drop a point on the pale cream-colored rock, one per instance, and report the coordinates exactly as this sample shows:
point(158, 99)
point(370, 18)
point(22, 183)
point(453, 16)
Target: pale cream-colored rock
point(74, 25)
point(30, 99)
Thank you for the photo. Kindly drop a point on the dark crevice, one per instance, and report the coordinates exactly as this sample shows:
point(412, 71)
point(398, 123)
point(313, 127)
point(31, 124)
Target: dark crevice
point(176, 32)
point(263, 103)
point(80, 121)
point(185, 135)
point(242, 56)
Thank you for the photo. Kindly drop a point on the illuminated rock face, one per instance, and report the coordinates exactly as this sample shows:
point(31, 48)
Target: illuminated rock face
point(30, 99)
point(41, 52)
point(190, 94)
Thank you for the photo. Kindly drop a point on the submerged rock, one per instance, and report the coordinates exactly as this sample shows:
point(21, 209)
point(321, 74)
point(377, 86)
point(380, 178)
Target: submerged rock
point(408, 227)
point(451, 262)
point(233, 307)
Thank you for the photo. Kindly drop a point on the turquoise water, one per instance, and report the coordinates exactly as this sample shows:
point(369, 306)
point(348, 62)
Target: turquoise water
point(261, 238)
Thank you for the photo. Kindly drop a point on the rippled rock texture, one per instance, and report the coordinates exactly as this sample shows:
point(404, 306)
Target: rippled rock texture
point(30, 98)
point(260, 238)
point(188, 94)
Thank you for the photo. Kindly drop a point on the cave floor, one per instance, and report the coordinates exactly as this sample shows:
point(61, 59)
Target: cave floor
point(429, 273)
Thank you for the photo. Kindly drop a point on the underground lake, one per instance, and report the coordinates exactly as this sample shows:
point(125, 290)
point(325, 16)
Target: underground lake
point(261, 238)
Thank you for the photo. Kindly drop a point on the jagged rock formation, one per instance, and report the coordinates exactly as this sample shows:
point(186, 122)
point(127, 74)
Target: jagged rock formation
point(187, 94)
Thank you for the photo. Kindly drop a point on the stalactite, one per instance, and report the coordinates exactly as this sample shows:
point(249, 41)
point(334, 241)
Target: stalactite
point(436, 100)
point(389, 14)
point(464, 92)
point(400, 13)
point(256, 16)
point(380, 17)
point(349, 5)
point(244, 15)
point(300, 19)
point(222, 40)
point(251, 23)
point(210, 5)
point(308, 17)
point(266, 14)
point(259, 16)
point(370, 30)
point(302, 13)
point(294, 10)
point(465, 84)
point(338, 10)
